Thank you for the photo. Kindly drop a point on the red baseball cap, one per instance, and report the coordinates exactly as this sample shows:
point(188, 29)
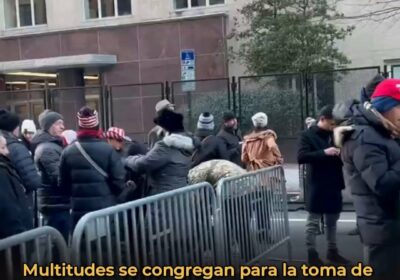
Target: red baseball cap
point(388, 88)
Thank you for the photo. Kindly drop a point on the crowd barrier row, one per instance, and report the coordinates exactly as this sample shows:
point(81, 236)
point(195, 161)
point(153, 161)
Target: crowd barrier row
point(241, 221)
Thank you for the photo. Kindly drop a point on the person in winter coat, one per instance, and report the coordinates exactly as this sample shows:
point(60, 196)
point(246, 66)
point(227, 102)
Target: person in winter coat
point(168, 163)
point(157, 133)
point(371, 157)
point(368, 90)
point(324, 183)
point(96, 185)
point(259, 148)
point(20, 156)
point(211, 147)
point(231, 138)
point(16, 217)
point(47, 147)
point(28, 130)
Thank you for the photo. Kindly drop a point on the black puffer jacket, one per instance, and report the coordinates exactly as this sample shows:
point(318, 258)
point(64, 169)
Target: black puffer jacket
point(232, 138)
point(89, 190)
point(22, 160)
point(324, 180)
point(372, 170)
point(15, 215)
point(47, 154)
point(211, 147)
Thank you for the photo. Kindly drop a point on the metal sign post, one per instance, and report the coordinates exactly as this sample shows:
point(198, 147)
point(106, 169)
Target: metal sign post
point(188, 73)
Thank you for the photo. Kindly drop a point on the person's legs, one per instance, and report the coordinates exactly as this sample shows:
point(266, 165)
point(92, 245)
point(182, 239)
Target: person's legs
point(384, 259)
point(312, 228)
point(60, 221)
point(331, 228)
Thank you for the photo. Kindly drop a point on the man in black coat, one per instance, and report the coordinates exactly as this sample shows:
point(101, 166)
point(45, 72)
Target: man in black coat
point(231, 138)
point(324, 183)
point(16, 217)
point(211, 147)
point(47, 147)
point(371, 157)
point(91, 186)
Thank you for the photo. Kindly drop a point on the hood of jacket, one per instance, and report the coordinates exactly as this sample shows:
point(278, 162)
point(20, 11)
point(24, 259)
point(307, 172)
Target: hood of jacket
point(261, 135)
point(179, 141)
point(6, 164)
point(10, 137)
point(352, 114)
point(44, 137)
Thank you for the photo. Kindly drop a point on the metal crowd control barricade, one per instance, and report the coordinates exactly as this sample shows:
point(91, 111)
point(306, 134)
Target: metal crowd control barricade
point(254, 215)
point(172, 228)
point(40, 246)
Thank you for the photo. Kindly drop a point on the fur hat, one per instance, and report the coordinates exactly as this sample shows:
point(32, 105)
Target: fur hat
point(47, 118)
point(260, 120)
point(8, 120)
point(88, 118)
point(206, 121)
point(170, 121)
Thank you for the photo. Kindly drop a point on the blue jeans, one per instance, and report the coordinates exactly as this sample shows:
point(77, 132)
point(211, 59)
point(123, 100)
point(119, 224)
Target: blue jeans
point(60, 220)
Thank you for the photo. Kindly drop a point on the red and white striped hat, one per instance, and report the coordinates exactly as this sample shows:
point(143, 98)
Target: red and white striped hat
point(88, 120)
point(117, 134)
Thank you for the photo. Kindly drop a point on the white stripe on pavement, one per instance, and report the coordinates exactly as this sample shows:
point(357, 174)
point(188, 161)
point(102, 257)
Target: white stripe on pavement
point(340, 221)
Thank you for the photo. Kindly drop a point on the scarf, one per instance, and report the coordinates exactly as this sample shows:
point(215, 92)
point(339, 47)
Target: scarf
point(391, 127)
point(90, 133)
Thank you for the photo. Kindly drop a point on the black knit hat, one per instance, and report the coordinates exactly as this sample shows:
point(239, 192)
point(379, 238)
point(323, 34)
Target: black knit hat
point(170, 121)
point(228, 116)
point(8, 120)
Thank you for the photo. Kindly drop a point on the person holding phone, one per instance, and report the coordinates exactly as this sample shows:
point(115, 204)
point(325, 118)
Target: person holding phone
point(324, 184)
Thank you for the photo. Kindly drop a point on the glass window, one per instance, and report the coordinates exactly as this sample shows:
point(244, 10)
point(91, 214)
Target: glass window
point(124, 7)
point(216, 2)
point(10, 14)
point(107, 8)
point(396, 71)
point(40, 12)
point(181, 4)
point(198, 3)
point(91, 9)
point(25, 12)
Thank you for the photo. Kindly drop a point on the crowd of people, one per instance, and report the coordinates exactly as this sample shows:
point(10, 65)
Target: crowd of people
point(76, 172)
point(352, 145)
point(355, 144)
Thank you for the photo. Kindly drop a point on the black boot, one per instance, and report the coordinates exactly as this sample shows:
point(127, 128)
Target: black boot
point(334, 257)
point(313, 258)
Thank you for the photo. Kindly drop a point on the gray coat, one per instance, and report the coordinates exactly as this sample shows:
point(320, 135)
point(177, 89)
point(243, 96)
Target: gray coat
point(22, 160)
point(167, 164)
point(371, 161)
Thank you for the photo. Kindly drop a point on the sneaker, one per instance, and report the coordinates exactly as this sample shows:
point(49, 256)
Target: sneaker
point(354, 232)
point(313, 258)
point(334, 257)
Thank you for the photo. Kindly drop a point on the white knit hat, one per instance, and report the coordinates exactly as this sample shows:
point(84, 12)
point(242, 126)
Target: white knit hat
point(260, 120)
point(28, 126)
point(206, 121)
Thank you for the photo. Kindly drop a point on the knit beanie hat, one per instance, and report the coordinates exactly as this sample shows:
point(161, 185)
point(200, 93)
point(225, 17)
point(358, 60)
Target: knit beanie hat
point(206, 121)
point(228, 116)
point(260, 120)
point(47, 118)
point(118, 134)
point(386, 95)
point(88, 118)
point(8, 120)
point(28, 126)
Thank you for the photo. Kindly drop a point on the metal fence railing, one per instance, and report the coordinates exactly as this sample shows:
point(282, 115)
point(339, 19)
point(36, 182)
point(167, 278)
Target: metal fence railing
point(134, 102)
point(40, 246)
point(254, 215)
point(173, 228)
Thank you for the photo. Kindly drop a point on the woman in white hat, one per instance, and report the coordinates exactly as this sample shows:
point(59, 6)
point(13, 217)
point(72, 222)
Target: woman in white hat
point(28, 130)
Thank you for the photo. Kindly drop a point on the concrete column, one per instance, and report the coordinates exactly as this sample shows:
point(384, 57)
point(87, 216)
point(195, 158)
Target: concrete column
point(71, 97)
